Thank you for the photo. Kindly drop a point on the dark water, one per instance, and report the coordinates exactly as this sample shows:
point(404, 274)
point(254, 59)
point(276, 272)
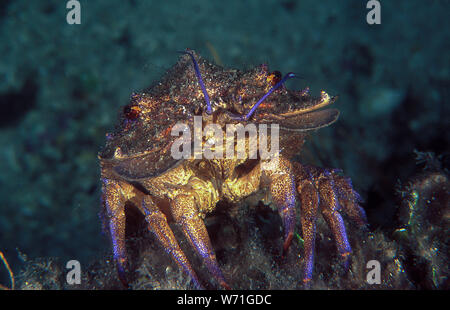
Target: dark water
point(62, 87)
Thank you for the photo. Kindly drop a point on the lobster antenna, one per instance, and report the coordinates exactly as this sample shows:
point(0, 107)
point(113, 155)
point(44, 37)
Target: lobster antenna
point(284, 79)
point(200, 80)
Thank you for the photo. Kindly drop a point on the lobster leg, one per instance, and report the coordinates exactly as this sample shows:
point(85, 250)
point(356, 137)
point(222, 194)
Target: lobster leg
point(282, 189)
point(330, 207)
point(309, 198)
point(333, 193)
point(277, 176)
point(185, 213)
point(160, 228)
point(349, 199)
point(114, 199)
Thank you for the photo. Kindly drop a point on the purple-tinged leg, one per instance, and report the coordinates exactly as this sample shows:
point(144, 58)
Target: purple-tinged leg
point(114, 202)
point(282, 189)
point(330, 208)
point(309, 205)
point(349, 199)
point(160, 228)
point(185, 214)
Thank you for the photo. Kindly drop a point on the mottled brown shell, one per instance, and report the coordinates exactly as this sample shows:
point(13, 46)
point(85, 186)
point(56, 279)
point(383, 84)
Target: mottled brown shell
point(140, 146)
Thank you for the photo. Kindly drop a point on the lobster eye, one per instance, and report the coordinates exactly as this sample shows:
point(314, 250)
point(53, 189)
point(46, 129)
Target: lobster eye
point(131, 112)
point(274, 77)
point(290, 75)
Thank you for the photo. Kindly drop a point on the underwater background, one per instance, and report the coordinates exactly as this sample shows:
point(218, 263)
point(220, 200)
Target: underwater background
point(63, 86)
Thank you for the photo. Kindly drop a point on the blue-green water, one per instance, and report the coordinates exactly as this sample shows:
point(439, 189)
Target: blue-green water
point(62, 87)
